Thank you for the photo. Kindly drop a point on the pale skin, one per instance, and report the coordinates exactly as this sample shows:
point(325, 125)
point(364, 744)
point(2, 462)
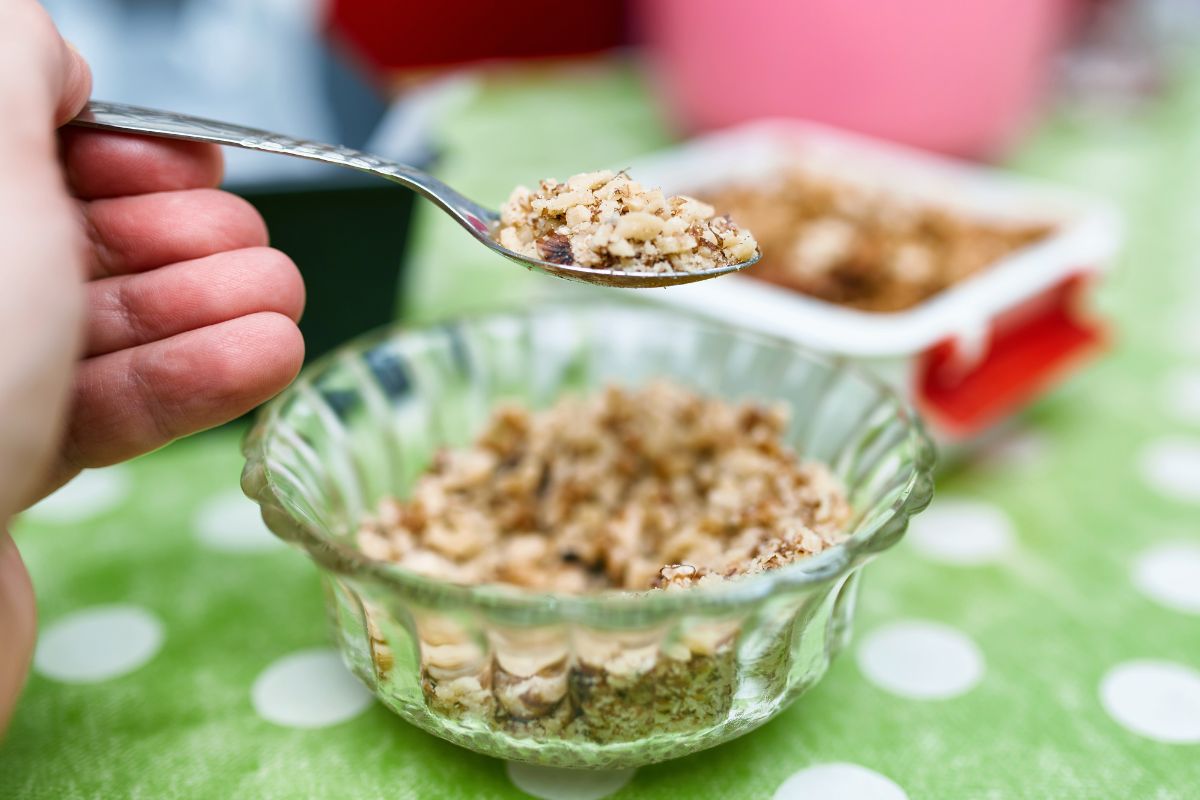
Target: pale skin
point(139, 303)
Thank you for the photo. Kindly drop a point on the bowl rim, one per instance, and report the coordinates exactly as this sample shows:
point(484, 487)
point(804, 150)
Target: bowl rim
point(259, 485)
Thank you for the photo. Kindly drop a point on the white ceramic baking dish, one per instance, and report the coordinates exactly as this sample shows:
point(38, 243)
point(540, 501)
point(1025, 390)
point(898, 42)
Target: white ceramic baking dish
point(968, 357)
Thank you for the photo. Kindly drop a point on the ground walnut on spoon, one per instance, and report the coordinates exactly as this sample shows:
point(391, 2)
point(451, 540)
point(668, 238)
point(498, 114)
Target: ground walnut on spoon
point(607, 221)
point(618, 234)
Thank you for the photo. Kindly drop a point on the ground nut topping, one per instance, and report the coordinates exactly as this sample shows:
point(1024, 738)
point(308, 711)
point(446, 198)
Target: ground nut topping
point(605, 220)
point(862, 247)
point(631, 489)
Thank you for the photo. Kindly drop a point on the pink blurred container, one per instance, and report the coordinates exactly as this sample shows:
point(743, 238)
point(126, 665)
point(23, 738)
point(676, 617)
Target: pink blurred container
point(956, 76)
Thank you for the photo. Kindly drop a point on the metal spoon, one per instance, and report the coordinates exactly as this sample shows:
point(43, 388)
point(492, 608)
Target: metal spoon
point(479, 221)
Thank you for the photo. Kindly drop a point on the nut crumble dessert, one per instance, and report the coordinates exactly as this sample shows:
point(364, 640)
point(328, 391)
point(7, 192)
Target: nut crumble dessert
point(861, 247)
point(652, 489)
point(605, 220)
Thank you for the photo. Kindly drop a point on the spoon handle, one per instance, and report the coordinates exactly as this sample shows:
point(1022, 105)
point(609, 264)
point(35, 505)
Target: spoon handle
point(170, 125)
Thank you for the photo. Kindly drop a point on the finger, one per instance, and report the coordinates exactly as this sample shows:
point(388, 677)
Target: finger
point(17, 626)
point(104, 164)
point(76, 84)
point(133, 401)
point(133, 234)
point(54, 80)
point(130, 310)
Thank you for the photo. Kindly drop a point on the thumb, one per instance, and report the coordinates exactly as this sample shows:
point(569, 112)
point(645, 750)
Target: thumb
point(76, 84)
point(29, 37)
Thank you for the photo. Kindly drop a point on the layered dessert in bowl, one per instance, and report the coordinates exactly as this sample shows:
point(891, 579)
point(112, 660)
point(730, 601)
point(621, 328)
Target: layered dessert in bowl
point(587, 535)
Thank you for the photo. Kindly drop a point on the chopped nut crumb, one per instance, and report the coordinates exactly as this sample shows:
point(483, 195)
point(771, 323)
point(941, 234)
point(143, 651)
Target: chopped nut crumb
point(867, 249)
point(605, 220)
point(629, 489)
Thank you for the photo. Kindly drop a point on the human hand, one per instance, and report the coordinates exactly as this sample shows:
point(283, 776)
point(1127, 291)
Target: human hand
point(140, 304)
point(190, 317)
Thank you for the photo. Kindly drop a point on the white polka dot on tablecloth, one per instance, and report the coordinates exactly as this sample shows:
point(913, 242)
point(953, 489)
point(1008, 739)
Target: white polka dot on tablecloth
point(91, 493)
point(1169, 574)
point(962, 532)
point(1185, 337)
point(1181, 395)
point(308, 689)
point(841, 781)
point(1159, 700)
point(98, 643)
point(1171, 466)
point(231, 522)
point(556, 783)
point(921, 660)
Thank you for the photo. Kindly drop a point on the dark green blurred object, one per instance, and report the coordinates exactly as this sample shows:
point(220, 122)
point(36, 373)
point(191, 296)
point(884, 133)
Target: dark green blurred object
point(348, 239)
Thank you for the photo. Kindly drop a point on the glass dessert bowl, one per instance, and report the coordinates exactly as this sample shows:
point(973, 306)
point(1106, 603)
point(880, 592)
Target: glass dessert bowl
point(603, 679)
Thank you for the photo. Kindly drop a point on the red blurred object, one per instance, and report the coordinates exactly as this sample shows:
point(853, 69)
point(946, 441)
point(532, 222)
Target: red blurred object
point(1031, 348)
point(391, 36)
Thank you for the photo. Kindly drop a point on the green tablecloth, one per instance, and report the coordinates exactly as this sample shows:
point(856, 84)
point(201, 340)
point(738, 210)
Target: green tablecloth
point(1036, 636)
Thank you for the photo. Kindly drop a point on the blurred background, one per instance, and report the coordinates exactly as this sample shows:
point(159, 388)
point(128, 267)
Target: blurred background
point(504, 97)
point(1064, 542)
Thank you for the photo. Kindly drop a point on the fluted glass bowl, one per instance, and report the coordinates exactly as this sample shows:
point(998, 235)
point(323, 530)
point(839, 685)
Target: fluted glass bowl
point(601, 680)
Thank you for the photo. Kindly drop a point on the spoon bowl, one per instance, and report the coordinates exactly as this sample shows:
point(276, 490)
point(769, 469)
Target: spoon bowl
point(620, 279)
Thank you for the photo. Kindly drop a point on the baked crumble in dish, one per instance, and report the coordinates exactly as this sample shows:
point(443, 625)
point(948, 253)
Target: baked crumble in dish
point(864, 248)
point(607, 221)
